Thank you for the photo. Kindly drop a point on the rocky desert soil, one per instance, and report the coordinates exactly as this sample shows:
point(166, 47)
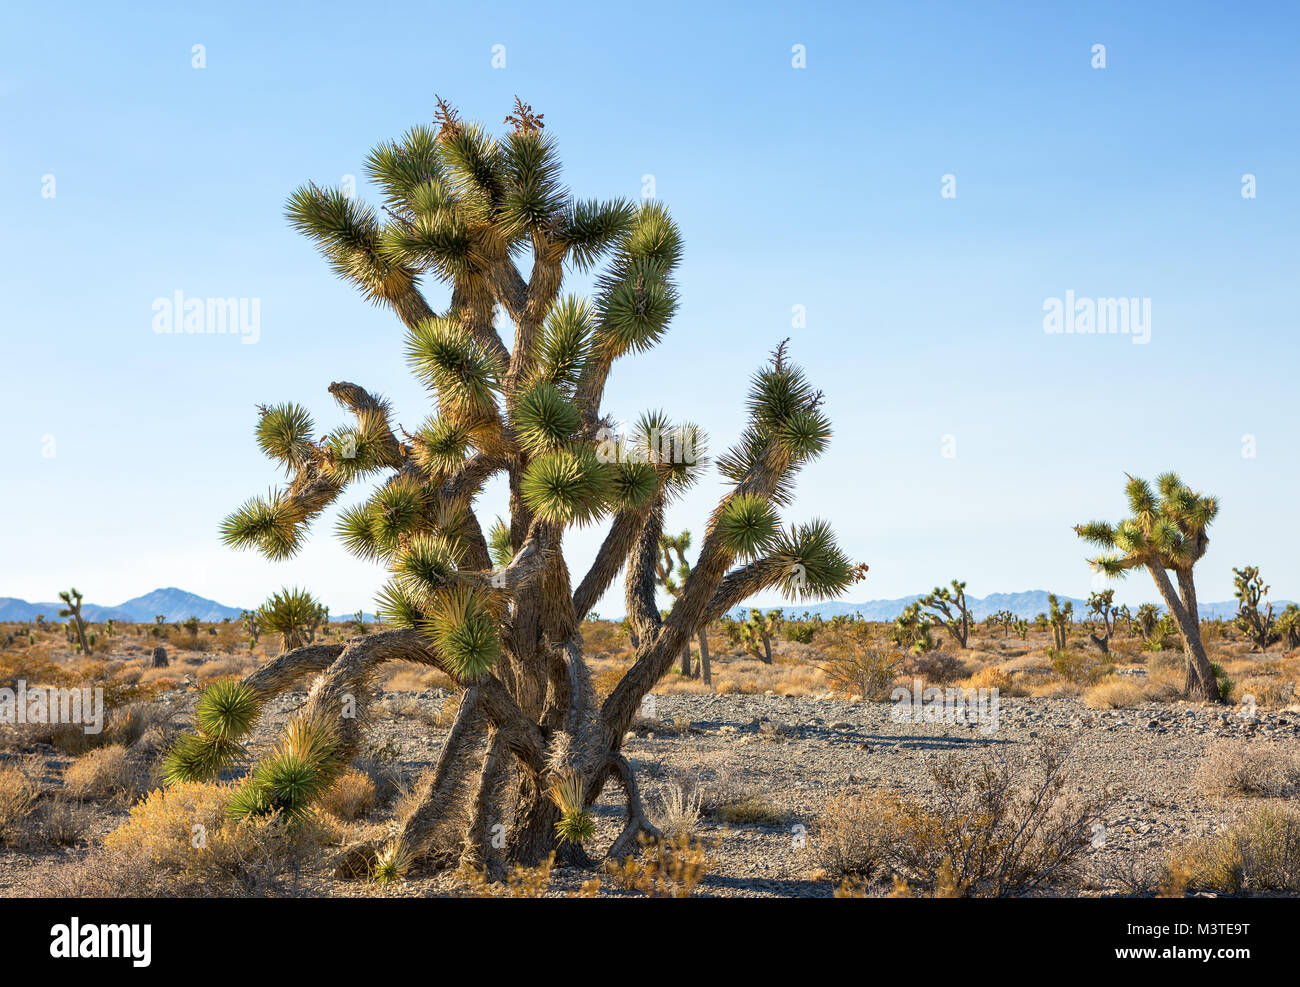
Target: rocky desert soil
point(789, 755)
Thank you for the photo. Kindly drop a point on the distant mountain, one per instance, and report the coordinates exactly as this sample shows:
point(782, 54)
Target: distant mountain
point(176, 604)
point(172, 603)
point(1028, 604)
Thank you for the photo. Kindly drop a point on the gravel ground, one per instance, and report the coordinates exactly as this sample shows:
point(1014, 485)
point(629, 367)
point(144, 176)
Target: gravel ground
point(793, 753)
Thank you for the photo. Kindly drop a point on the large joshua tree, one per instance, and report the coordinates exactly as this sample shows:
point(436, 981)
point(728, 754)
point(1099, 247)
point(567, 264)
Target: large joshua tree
point(531, 747)
point(1167, 533)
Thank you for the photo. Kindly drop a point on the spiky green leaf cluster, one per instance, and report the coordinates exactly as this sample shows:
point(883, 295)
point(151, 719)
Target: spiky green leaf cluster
point(1167, 528)
point(544, 419)
point(567, 486)
point(268, 524)
point(747, 525)
point(226, 712)
point(463, 629)
point(812, 564)
point(284, 434)
point(297, 773)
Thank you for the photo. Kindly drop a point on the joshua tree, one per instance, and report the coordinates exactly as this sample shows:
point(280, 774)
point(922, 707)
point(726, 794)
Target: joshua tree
point(459, 207)
point(1021, 627)
point(1166, 533)
point(1059, 620)
point(756, 634)
point(912, 630)
point(1288, 626)
point(1101, 618)
point(192, 626)
point(949, 609)
point(251, 621)
point(672, 579)
point(1002, 618)
point(73, 609)
point(1258, 625)
point(293, 614)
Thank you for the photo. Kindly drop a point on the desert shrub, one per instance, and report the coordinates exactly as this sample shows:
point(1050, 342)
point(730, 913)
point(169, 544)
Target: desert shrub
point(858, 663)
point(748, 810)
point(64, 822)
point(184, 836)
point(1245, 768)
point(351, 797)
point(1080, 667)
point(1273, 692)
point(17, 798)
point(680, 803)
point(1259, 852)
point(991, 677)
point(998, 829)
point(935, 666)
point(668, 868)
point(101, 773)
point(800, 632)
point(1119, 691)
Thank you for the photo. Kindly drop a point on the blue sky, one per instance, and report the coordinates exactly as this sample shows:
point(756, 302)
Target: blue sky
point(817, 187)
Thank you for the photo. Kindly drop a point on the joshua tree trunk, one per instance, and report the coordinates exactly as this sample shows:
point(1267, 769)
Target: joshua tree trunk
point(705, 675)
point(1200, 682)
point(686, 660)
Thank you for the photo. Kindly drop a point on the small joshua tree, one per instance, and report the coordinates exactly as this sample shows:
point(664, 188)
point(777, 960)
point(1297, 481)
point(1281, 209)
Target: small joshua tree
point(1259, 625)
point(756, 634)
point(1002, 618)
point(1059, 619)
point(252, 622)
point(73, 609)
point(673, 578)
point(949, 609)
point(1166, 533)
point(1288, 627)
point(1021, 627)
point(293, 614)
point(913, 630)
point(460, 207)
point(1101, 618)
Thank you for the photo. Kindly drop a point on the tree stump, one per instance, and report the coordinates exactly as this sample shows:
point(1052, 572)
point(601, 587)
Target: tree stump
point(159, 659)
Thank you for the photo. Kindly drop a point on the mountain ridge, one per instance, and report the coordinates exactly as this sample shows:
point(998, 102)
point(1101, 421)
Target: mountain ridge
point(176, 604)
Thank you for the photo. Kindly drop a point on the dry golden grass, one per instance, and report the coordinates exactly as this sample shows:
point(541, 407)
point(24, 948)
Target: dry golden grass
point(1260, 852)
point(1249, 768)
point(1119, 691)
point(17, 799)
point(993, 677)
point(101, 773)
point(351, 797)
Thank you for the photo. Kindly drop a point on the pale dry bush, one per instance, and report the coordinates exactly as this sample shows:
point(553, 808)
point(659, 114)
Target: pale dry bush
point(1002, 828)
point(102, 773)
point(17, 799)
point(680, 803)
point(65, 822)
point(1246, 768)
point(1119, 691)
point(993, 677)
point(1259, 852)
point(860, 662)
point(351, 797)
point(935, 667)
point(1056, 688)
point(179, 842)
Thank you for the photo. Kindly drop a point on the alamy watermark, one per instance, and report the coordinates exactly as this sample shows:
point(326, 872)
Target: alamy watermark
point(83, 706)
point(661, 446)
point(1098, 316)
point(179, 315)
point(951, 706)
